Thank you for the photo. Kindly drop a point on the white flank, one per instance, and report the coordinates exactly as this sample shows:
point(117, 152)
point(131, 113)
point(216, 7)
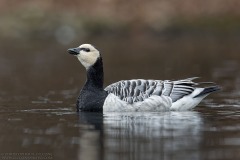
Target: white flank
point(153, 103)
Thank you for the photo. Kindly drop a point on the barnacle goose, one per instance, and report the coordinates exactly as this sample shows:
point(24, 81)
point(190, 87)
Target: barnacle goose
point(133, 95)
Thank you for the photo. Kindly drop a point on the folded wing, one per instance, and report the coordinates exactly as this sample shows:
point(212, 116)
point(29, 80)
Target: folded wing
point(137, 90)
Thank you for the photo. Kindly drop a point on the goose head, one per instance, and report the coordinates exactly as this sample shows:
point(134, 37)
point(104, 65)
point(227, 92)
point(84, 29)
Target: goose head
point(86, 54)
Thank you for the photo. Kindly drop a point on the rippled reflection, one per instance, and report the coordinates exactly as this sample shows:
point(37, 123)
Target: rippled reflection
point(146, 135)
point(209, 133)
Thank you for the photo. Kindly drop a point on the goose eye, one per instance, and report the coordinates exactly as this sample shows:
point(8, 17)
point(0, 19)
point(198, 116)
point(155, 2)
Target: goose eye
point(85, 49)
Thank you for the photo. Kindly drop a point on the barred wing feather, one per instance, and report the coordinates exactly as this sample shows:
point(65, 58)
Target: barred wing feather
point(137, 90)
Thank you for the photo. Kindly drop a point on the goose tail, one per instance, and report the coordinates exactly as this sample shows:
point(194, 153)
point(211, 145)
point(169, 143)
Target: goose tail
point(207, 91)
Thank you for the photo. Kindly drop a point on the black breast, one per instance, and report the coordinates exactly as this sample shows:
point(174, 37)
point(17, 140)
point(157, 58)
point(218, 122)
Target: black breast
point(91, 100)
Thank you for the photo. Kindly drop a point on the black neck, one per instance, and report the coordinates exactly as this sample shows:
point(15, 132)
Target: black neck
point(95, 75)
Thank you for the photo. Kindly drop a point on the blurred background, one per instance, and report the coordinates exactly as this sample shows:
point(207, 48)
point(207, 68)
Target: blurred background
point(161, 39)
point(157, 39)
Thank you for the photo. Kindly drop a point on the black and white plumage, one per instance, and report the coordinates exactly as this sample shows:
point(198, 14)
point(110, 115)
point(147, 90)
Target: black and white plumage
point(136, 94)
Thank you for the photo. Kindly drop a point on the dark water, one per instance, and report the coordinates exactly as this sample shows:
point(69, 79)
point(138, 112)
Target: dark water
point(40, 83)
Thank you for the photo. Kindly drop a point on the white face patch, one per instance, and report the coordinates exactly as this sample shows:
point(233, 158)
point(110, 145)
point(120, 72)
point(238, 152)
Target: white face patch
point(88, 55)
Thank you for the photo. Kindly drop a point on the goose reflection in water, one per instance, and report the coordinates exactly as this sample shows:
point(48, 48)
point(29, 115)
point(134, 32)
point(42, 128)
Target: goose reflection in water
point(154, 135)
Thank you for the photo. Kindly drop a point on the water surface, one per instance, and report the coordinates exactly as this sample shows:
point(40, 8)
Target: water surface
point(39, 86)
